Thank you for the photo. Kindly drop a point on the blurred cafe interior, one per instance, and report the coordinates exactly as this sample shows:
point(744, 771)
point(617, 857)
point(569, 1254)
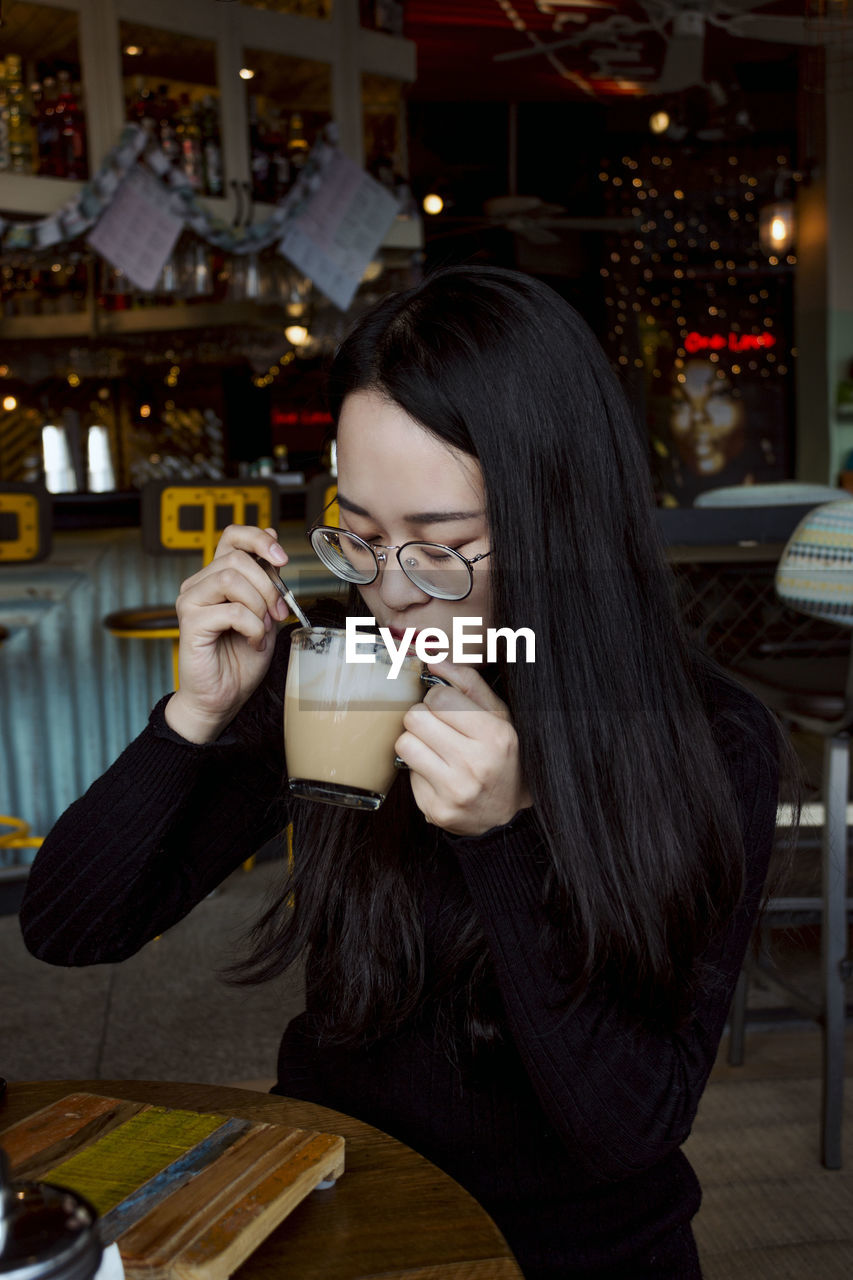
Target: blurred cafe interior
point(196, 202)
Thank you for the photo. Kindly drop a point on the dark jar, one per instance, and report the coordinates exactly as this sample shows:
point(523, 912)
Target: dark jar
point(46, 1232)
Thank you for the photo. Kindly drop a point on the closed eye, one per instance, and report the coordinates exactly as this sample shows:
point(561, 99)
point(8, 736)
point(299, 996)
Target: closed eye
point(436, 557)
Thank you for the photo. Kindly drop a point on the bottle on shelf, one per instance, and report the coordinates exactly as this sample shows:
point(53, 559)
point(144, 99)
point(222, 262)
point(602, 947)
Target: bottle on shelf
point(142, 108)
point(188, 135)
point(5, 153)
point(297, 144)
point(20, 117)
point(281, 174)
point(48, 129)
point(211, 147)
point(72, 130)
point(260, 158)
point(37, 101)
point(166, 108)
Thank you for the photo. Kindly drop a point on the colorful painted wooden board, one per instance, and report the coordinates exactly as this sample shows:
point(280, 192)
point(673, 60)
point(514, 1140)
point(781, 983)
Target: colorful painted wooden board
point(187, 1196)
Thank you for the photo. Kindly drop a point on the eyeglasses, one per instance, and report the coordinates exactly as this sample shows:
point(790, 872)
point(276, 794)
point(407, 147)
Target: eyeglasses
point(438, 570)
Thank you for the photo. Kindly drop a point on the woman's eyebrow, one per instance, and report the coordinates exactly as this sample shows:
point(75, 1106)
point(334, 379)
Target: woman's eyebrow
point(420, 517)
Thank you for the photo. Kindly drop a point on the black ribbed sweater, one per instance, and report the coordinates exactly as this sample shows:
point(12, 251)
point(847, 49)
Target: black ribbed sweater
point(569, 1131)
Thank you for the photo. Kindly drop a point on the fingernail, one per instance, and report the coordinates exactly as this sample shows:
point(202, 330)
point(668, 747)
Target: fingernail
point(267, 622)
point(277, 555)
point(282, 609)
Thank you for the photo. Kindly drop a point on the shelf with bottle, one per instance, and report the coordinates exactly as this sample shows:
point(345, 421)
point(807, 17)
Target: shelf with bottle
point(37, 293)
point(289, 102)
point(170, 89)
point(42, 121)
point(385, 140)
point(73, 293)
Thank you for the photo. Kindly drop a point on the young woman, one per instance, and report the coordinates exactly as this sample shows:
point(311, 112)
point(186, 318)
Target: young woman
point(521, 965)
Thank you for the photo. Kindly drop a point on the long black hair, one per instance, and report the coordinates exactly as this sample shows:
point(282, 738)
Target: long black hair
point(631, 795)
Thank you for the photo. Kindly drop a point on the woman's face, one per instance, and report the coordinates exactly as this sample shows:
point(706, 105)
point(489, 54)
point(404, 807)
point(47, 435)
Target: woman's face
point(398, 483)
point(706, 421)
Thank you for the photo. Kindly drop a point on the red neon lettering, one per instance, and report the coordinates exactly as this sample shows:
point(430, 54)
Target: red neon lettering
point(695, 342)
point(300, 417)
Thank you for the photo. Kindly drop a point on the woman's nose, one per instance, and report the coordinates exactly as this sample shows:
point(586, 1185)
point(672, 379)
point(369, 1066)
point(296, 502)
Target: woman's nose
point(699, 414)
point(395, 589)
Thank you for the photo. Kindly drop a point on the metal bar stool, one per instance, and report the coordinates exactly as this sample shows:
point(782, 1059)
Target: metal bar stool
point(803, 670)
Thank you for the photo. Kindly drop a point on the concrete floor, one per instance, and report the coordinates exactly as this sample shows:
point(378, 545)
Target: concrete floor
point(166, 1013)
point(163, 1014)
point(769, 1209)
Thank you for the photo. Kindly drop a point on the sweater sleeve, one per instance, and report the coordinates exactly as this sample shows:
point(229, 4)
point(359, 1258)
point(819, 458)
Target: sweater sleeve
point(166, 823)
point(620, 1095)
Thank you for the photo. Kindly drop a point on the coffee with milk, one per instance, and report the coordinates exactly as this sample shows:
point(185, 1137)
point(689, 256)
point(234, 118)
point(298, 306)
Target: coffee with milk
point(341, 719)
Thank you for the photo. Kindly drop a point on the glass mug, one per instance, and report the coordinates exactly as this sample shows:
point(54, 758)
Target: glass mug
point(341, 719)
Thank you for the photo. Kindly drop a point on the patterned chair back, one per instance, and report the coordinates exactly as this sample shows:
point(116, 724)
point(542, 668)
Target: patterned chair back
point(815, 572)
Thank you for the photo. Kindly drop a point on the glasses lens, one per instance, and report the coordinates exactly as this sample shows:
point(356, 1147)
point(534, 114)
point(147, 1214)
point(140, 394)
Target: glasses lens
point(438, 571)
point(347, 557)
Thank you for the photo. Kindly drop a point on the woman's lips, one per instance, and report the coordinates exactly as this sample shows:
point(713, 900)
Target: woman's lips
point(399, 634)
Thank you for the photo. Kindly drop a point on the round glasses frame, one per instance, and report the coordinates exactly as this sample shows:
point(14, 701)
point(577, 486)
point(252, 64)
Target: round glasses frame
point(318, 539)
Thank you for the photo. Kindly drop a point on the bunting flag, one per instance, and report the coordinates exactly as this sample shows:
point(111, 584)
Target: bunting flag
point(168, 188)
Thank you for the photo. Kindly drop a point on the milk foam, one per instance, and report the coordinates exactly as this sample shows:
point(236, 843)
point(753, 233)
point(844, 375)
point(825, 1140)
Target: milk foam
point(321, 676)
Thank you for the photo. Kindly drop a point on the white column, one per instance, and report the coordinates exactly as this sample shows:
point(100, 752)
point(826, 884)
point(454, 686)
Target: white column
point(100, 57)
point(346, 79)
point(824, 284)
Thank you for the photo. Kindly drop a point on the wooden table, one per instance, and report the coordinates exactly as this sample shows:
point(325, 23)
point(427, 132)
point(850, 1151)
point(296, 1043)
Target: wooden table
point(393, 1214)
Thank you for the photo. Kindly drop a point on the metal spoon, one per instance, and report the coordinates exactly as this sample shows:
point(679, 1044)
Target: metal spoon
point(282, 588)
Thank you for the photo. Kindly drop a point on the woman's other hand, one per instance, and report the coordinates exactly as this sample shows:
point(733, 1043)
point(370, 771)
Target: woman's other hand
point(227, 614)
point(462, 752)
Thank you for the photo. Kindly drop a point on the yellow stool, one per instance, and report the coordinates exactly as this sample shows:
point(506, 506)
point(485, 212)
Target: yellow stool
point(18, 836)
point(25, 522)
point(25, 533)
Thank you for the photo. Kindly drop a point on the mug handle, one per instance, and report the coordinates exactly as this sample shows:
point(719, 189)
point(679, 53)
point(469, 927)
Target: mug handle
point(430, 679)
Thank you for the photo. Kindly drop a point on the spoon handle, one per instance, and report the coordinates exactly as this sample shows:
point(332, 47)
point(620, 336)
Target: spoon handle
point(282, 588)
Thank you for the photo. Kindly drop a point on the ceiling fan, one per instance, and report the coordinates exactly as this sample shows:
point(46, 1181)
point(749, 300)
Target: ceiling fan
point(535, 220)
point(540, 222)
point(617, 40)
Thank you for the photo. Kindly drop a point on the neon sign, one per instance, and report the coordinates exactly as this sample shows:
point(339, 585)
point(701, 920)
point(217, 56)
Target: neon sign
point(301, 418)
point(728, 342)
